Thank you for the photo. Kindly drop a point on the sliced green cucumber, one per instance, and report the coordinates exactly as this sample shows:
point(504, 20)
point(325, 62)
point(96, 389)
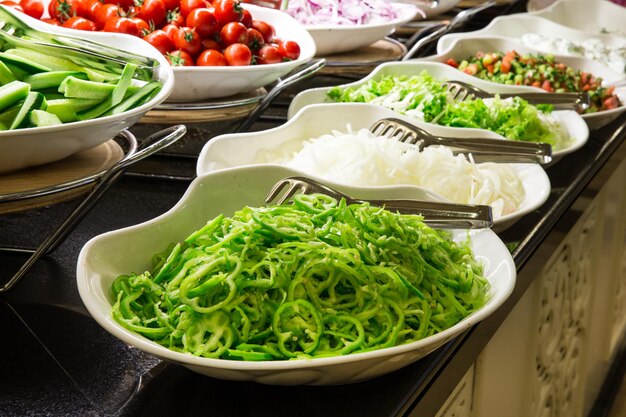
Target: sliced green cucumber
point(52, 79)
point(114, 99)
point(6, 75)
point(136, 98)
point(12, 93)
point(52, 62)
point(40, 118)
point(7, 116)
point(65, 109)
point(22, 63)
point(33, 101)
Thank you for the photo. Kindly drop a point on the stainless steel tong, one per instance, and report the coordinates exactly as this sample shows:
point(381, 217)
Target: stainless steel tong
point(82, 51)
point(441, 215)
point(482, 149)
point(461, 91)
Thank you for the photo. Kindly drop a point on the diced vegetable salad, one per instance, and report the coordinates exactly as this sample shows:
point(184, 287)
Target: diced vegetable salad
point(538, 71)
point(425, 98)
point(314, 279)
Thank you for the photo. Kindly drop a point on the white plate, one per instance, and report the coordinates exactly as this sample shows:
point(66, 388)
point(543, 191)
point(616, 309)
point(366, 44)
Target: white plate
point(245, 149)
point(23, 148)
point(334, 39)
point(204, 83)
point(578, 130)
point(594, 16)
point(462, 48)
point(105, 257)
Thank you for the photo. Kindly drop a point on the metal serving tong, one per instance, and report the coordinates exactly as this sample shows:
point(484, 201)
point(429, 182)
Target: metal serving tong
point(461, 91)
point(441, 215)
point(482, 149)
point(81, 51)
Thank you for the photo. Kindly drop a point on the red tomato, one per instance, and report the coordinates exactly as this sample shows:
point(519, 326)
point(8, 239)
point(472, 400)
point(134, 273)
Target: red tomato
point(289, 49)
point(211, 58)
point(227, 11)
point(208, 43)
point(233, 32)
point(255, 39)
point(186, 6)
point(246, 18)
point(171, 4)
point(51, 21)
point(106, 13)
point(33, 8)
point(179, 58)
point(122, 25)
point(143, 27)
point(238, 54)
point(174, 17)
point(77, 22)
point(188, 40)
point(269, 54)
point(123, 4)
point(88, 9)
point(160, 40)
point(452, 62)
point(60, 9)
point(203, 21)
point(151, 11)
point(266, 30)
point(170, 30)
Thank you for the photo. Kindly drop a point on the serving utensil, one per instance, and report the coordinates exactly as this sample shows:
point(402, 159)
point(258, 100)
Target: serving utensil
point(441, 215)
point(482, 149)
point(81, 51)
point(460, 91)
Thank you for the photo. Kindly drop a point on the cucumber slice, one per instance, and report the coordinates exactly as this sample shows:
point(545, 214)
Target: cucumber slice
point(7, 116)
point(22, 63)
point(33, 101)
point(73, 87)
point(65, 109)
point(136, 98)
point(12, 93)
point(51, 79)
point(6, 75)
point(40, 118)
point(114, 99)
point(52, 62)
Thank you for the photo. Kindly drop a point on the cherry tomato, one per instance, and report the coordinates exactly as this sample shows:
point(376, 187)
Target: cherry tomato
point(211, 58)
point(151, 11)
point(143, 27)
point(233, 32)
point(170, 30)
point(269, 54)
point(105, 13)
point(255, 39)
point(13, 5)
point(171, 4)
point(87, 9)
point(122, 25)
point(179, 58)
point(160, 40)
point(289, 49)
point(33, 8)
point(203, 21)
point(266, 30)
point(51, 21)
point(188, 40)
point(77, 22)
point(208, 43)
point(238, 54)
point(174, 17)
point(227, 11)
point(60, 9)
point(123, 4)
point(186, 6)
point(246, 18)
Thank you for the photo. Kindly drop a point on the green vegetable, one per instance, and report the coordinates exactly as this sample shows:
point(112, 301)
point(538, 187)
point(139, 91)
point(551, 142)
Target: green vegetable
point(43, 118)
point(12, 93)
point(313, 279)
point(425, 98)
point(113, 99)
point(33, 101)
point(51, 79)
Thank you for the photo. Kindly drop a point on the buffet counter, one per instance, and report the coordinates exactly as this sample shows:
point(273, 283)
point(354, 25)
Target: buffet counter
point(548, 350)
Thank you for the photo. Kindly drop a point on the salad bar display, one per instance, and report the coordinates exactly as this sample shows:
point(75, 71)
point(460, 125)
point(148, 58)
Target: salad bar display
point(308, 253)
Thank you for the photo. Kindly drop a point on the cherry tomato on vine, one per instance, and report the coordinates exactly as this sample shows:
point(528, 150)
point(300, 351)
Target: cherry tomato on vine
point(211, 58)
point(238, 54)
point(269, 54)
point(151, 11)
point(188, 40)
point(266, 30)
point(228, 11)
point(105, 13)
point(233, 32)
point(179, 58)
point(186, 6)
point(174, 17)
point(255, 39)
point(160, 40)
point(33, 8)
point(289, 49)
point(77, 22)
point(203, 21)
point(60, 9)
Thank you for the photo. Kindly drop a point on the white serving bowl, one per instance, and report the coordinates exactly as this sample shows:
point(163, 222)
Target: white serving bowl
point(334, 39)
point(23, 148)
point(575, 125)
point(594, 16)
point(462, 48)
point(203, 83)
point(246, 149)
point(105, 257)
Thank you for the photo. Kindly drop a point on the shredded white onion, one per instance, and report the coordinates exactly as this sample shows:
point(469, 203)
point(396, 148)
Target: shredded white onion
point(364, 159)
point(341, 12)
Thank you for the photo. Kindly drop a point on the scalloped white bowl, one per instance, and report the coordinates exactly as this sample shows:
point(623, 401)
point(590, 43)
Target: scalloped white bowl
point(23, 148)
point(594, 16)
point(105, 257)
point(574, 123)
point(204, 83)
point(248, 149)
point(334, 39)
